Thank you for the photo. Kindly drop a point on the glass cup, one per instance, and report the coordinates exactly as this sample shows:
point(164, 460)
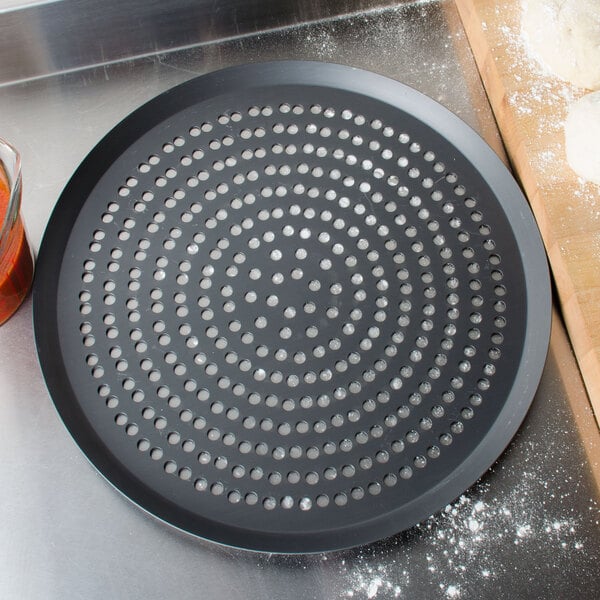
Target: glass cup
point(16, 258)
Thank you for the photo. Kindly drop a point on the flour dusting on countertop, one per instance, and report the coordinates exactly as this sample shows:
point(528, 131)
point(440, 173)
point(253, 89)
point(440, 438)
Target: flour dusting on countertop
point(476, 542)
point(471, 540)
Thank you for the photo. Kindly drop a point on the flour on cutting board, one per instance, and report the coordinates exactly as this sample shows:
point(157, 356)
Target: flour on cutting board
point(545, 99)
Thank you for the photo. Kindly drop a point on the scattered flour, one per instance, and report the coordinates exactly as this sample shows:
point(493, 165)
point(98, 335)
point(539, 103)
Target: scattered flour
point(474, 540)
point(371, 582)
point(453, 591)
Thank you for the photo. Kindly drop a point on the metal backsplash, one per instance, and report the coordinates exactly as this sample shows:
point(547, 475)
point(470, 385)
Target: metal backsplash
point(52, 37)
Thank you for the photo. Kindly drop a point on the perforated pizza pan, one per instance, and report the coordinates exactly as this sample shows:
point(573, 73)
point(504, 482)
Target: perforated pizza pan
point(292, 307)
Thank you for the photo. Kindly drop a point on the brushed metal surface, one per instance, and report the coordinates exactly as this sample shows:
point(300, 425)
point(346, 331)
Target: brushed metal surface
point(51, 37)
point(528, 529)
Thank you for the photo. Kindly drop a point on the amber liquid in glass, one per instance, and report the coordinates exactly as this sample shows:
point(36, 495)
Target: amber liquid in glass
point(16, 261)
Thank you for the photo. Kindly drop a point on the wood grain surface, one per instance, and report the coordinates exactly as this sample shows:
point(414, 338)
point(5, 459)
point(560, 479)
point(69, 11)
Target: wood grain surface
point(530, 106)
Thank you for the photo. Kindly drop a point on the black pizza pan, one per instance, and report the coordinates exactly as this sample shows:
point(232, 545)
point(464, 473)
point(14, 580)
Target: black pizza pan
point(292, 307)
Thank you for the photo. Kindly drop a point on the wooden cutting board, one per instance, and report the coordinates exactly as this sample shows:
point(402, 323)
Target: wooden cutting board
point(530, 106)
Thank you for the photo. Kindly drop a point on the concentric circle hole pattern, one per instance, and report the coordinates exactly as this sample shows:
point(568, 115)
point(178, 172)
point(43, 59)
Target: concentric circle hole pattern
point(295, 307)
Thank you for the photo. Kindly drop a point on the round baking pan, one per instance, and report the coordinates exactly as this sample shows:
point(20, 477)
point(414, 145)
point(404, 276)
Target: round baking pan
point(292, 306)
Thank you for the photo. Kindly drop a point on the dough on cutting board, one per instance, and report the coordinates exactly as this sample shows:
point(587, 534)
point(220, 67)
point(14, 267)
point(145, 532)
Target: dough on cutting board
point(565, 35)
point(582, 133)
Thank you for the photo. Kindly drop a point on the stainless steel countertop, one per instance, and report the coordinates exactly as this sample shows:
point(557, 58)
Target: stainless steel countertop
point(528, 528)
